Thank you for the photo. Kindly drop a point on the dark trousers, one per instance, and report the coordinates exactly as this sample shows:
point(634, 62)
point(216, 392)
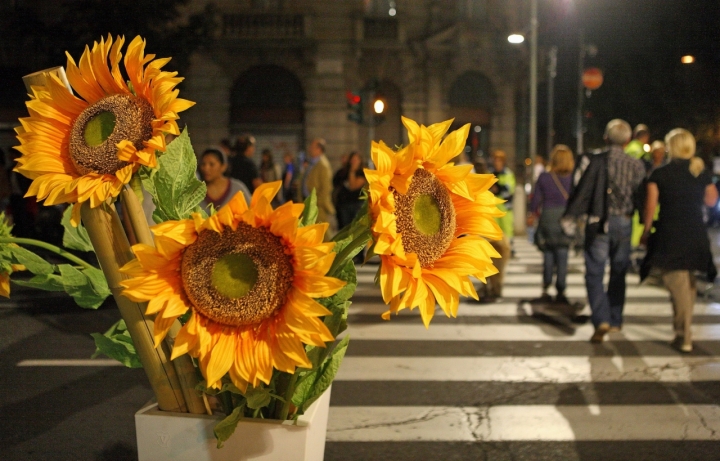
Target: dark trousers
point(555, 259)
point(607, 306)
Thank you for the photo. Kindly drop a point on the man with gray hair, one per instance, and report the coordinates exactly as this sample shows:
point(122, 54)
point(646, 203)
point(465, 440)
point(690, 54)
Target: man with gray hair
point(605, 195)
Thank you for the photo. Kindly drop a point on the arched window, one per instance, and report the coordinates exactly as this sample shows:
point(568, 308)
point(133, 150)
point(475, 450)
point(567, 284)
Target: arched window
point(267, 95)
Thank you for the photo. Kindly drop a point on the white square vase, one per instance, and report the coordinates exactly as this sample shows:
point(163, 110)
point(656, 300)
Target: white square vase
point(168, 436)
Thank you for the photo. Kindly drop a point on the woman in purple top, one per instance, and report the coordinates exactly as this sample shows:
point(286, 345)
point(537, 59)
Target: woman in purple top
point(551, 194)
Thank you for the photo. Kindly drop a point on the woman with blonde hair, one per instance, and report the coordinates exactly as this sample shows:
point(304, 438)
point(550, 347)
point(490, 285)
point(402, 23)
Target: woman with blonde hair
point(679, 247)
point(549, 200)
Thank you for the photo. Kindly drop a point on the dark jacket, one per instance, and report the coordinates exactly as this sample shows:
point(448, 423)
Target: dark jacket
point(589, 198)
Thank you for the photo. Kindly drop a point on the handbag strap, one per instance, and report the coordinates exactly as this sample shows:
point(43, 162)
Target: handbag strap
point(559, 186)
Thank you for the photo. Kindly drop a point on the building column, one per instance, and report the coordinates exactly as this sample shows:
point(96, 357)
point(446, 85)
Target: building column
point(209, 86)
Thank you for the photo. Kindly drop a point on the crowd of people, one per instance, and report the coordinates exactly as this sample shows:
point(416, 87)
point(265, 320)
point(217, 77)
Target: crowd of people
point(232, 168)
point(630, 194)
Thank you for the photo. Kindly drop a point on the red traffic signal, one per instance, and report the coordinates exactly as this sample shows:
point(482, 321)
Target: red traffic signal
point(352, 98)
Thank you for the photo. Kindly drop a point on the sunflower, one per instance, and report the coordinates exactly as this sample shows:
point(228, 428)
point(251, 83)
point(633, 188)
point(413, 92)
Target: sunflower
point(431, 219)
point(84, 148)
point(5, 279)
point(249, 276)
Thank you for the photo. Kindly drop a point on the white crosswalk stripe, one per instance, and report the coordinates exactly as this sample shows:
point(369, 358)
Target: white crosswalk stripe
point(499, 374)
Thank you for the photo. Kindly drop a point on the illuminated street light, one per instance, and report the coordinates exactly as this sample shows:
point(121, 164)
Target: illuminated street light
point(516, 39)
point(379, 106)
point(687, 59)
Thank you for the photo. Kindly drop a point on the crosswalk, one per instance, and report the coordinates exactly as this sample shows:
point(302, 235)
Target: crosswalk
point(500, 383)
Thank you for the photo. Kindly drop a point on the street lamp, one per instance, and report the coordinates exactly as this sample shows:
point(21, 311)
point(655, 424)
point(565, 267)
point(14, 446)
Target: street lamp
point(516, 39)
point(687, 59)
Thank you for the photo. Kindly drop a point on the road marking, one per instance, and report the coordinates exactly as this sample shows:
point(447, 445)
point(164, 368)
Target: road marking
point(548, 369)
point(69, 363)
point(458, 332)
point(524, 423)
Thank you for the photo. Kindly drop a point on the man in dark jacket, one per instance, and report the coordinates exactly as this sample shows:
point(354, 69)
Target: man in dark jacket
point(605, 194)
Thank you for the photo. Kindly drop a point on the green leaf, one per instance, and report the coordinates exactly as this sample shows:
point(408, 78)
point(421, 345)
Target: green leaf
point(85, 287)
point(136, 186)
point(310, 212)
point(225, 428)
point(175, 189)
point(98, 282)
point(31, 261)
point(312, 386)
point(258, 397)
point(117, 344)
point(5, 226)
point(347, 274)
point(75, 238)
point(47, 282)
point(338, 304)
point(226, 387)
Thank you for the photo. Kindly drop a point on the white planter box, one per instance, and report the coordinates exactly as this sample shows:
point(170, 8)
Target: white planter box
point(167, 436)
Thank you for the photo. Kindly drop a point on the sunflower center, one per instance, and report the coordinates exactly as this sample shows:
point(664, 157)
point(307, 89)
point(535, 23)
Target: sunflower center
point(425, 217)
point(100, 127)
point(237, 277)
point(234, 275)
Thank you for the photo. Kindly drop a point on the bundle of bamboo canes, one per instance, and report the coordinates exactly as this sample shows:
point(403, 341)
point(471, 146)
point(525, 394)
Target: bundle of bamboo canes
point(173, 382)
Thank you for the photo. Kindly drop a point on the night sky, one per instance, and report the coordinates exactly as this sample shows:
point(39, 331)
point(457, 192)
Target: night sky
point(639, 43)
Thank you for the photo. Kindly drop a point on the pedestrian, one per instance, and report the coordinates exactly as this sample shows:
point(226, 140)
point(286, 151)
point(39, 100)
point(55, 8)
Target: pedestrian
point(679, 246)
point(220, 189)
point(552, 191)
point(636, 147)
point(538, 167)
point(350, 180)
point(658, 156)
point(270, 172)
point(288, 178)
point(242, 166)
point(605, 194)
point(504, 189)
point(318, 176)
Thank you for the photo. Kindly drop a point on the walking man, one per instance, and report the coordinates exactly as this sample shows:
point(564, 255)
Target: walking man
point(318, 176)
point(605, 194)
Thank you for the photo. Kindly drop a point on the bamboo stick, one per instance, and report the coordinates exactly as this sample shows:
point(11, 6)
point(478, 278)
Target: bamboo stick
point(183, 365)
point(113, 251)
point(38, 78)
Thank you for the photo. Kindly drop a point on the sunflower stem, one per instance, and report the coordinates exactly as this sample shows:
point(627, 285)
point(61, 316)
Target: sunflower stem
point(226, 401)
point(340, 260)
point(57, 250)
point(288, 397)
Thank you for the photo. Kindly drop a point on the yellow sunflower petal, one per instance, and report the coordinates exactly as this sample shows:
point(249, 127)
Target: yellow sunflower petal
point(250, 352)
point(221, 357)
point(419, 271)
point(5, 285)
point(54, 110)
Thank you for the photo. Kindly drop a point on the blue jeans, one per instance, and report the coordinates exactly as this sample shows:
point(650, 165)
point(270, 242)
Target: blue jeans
point(607, 307)
point(555, 258)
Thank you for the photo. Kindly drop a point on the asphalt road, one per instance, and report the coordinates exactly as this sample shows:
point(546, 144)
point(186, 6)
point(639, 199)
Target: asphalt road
point(498, 383)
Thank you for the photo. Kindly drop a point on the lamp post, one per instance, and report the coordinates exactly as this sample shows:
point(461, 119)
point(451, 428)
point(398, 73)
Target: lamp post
point(532, 146)
point(552, 73)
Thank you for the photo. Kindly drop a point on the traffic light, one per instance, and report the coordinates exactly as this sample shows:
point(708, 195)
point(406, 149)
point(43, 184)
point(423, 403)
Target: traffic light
point(378, 111)
point(355, 106)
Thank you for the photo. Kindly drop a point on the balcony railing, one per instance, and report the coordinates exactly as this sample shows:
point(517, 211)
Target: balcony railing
point(264, 26)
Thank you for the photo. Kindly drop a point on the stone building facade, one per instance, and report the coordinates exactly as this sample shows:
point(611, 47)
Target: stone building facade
point(281, 70)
